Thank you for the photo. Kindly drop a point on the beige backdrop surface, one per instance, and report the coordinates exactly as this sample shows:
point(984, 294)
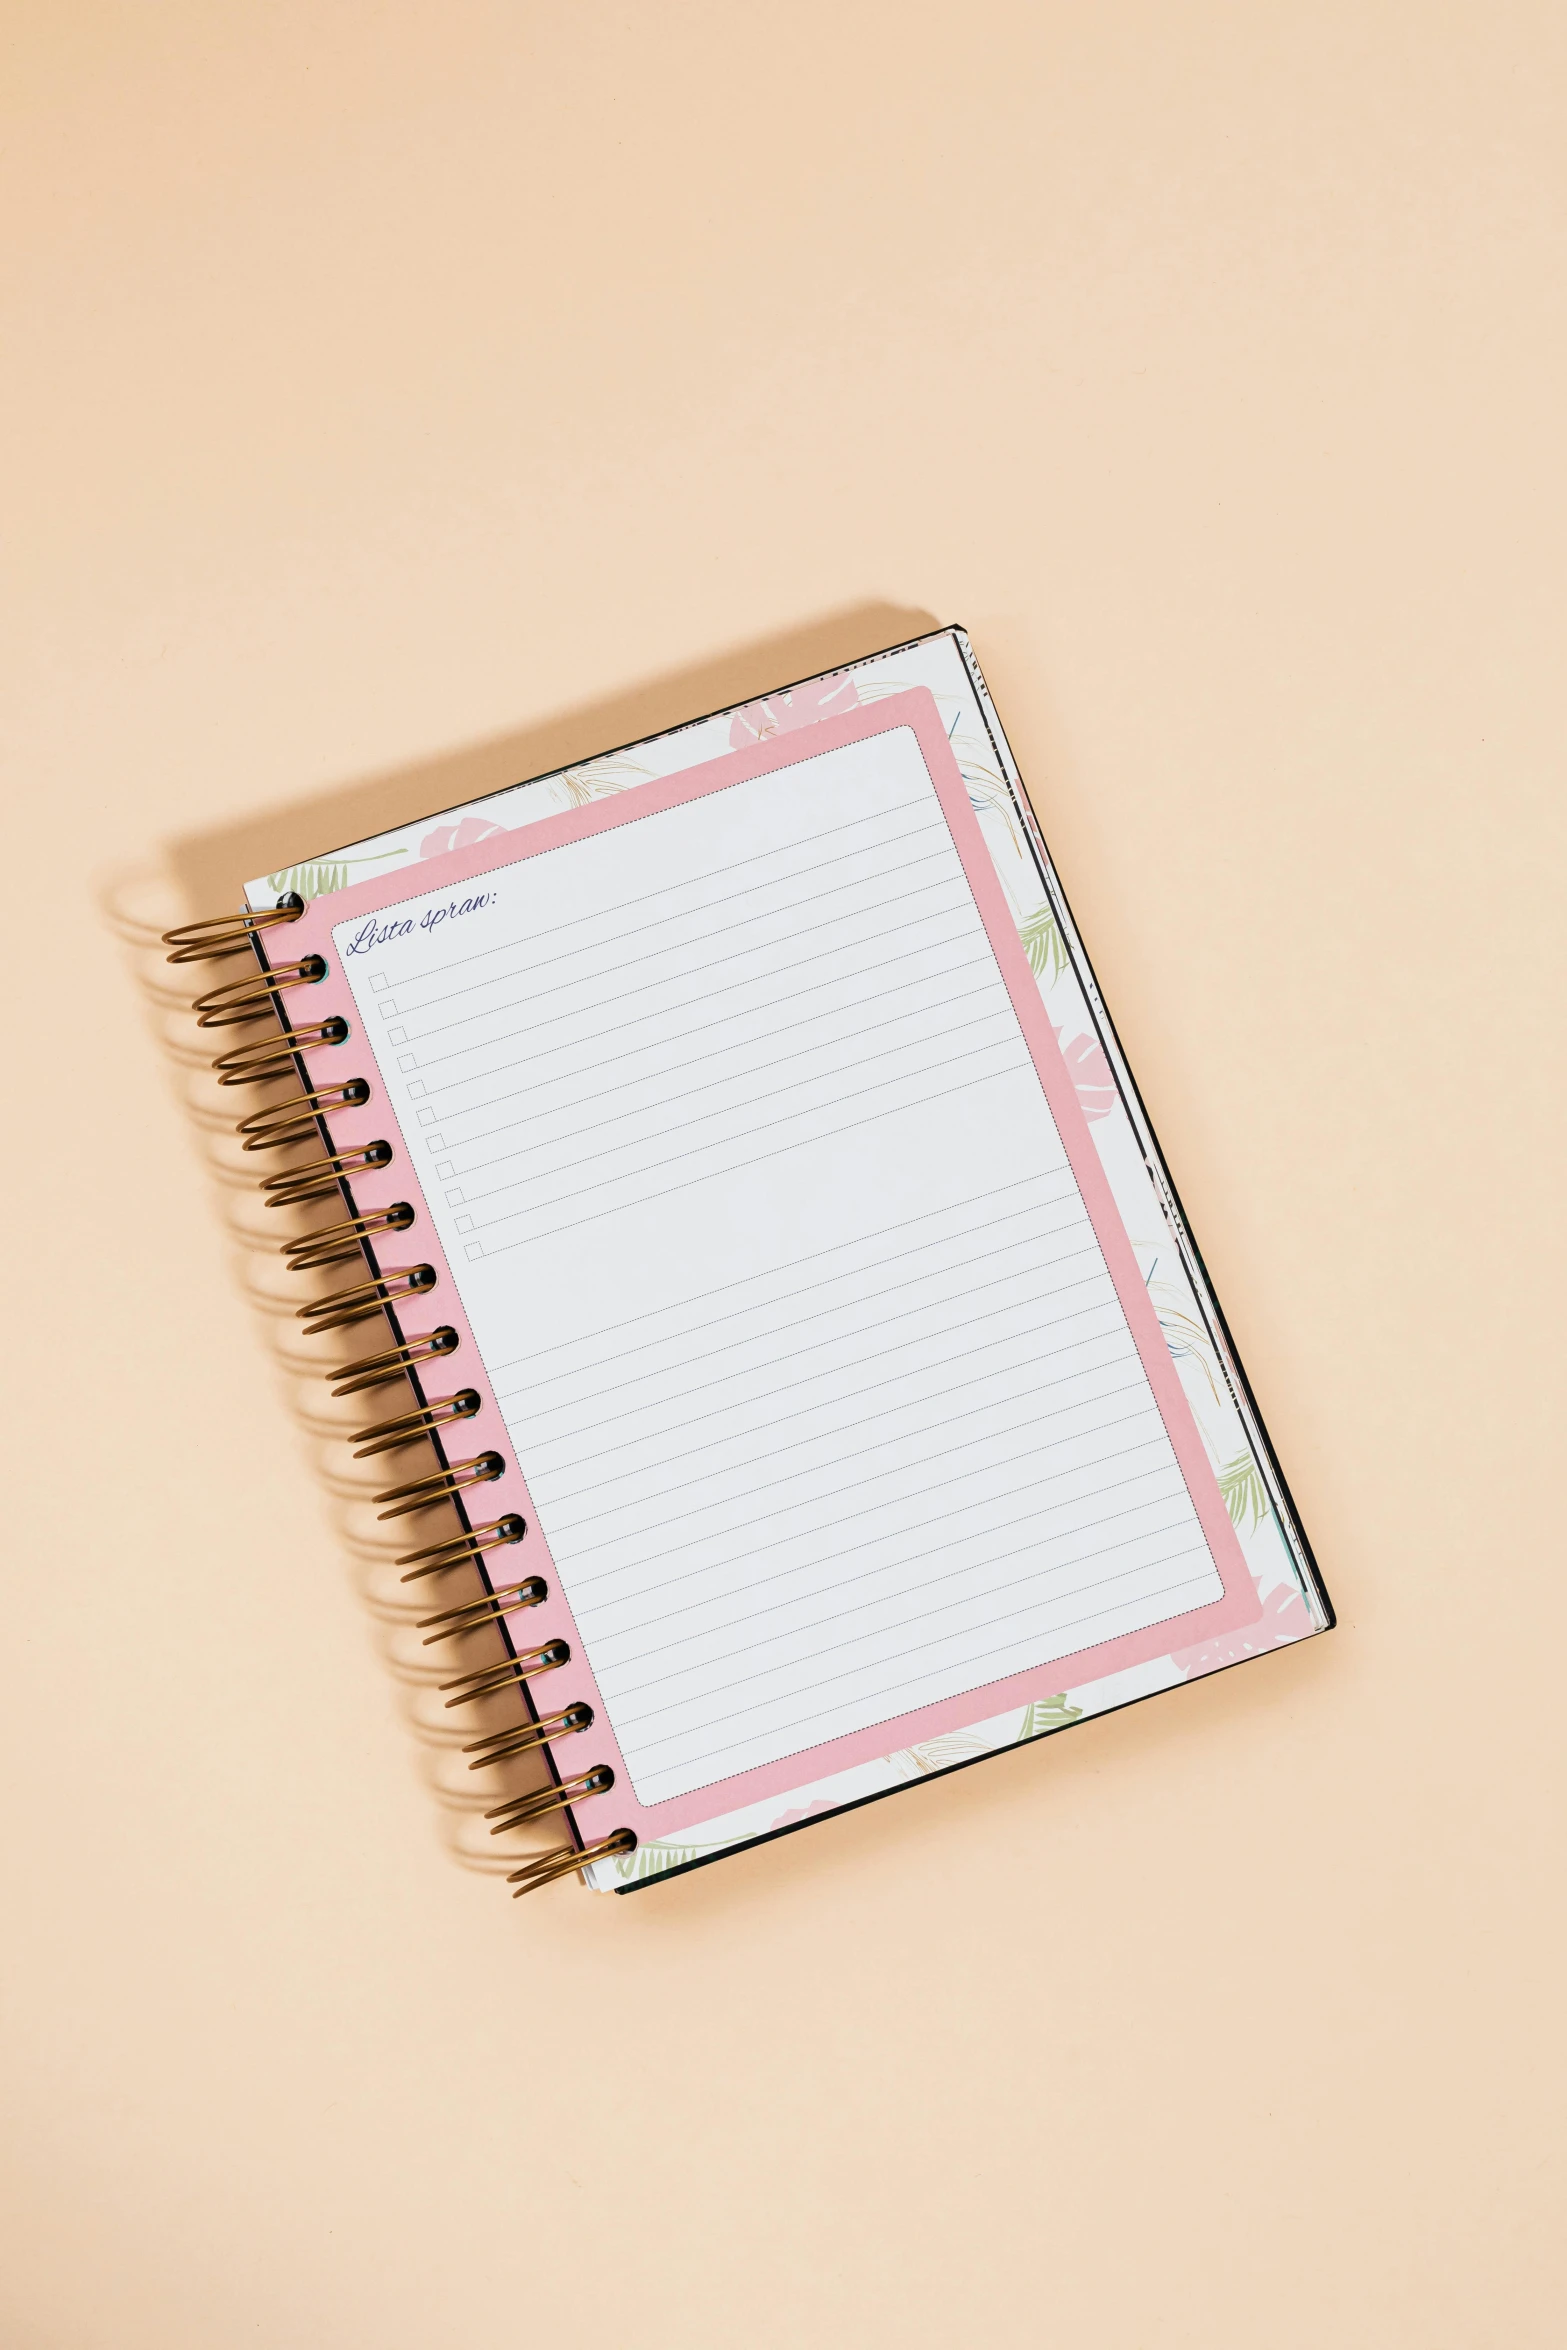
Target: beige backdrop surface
point(399, 398)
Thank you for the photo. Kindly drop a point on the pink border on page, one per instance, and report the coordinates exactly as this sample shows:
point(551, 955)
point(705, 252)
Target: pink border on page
point(915, 710)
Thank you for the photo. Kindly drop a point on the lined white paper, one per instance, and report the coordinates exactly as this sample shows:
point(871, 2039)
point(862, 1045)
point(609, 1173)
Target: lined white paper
point(805, 1344)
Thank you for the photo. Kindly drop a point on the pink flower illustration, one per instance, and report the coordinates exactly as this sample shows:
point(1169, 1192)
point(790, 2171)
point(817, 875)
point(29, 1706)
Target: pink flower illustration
point(824, 697)
point(807, 1811)
point(1283, 1619)
point(465, 835)
point(1090, 1073)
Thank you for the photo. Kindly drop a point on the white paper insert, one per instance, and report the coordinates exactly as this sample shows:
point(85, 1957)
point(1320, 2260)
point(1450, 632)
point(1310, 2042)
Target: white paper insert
point(806, 1347)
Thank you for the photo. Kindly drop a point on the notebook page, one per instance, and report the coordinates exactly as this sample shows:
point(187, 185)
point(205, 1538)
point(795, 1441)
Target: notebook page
point(824, 1397)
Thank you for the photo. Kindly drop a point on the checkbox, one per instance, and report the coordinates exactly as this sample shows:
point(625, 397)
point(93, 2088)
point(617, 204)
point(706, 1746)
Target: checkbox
point(397, 1036)
point(407, 1061)
point(418, 1086)
point(427, 1117)
point(474, 1249)
point(441, 1173)
point(464, 1223)
point(437, 1142)
point(379, 980)
point(456, 1199)
point(389, 1011)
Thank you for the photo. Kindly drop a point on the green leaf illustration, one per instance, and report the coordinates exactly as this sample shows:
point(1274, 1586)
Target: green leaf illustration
point(1044, 945)
point(939, 1754)
point(311, 881)
point(324, 875)
point(1047, 1713)
point(651, 1860)
point(988, 792)
point(597, 777)
point(1245, 1496)
point(1187, 1340)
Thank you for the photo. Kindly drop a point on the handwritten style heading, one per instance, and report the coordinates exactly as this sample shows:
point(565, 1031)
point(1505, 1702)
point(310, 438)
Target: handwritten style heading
point(372, 934)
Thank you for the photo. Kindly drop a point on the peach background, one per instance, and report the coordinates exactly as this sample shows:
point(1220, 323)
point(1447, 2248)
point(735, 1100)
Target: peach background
point(398, 400)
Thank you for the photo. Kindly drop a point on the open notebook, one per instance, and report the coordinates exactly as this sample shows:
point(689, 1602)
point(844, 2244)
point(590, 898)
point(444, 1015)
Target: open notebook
point(813, 1291)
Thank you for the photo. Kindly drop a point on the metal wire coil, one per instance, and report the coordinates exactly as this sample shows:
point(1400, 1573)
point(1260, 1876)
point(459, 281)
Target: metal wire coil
point(228, 934)
point(252, 997)
point(567, 1861)
point(273, 1056)
point(299, 1119)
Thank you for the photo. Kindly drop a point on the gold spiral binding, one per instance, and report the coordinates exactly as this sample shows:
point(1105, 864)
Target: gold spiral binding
point(411, 1427)
point(476, 1613)
point(523, 1808)
point(567, 1861)
point(339, 1243)
point(295, 1119)
point(228, 934)
point(378, 1370)
point(489, 1678)
point(346, 1306)
point(254, 996)
point(458, 1549)
point(425, 1492)
point(273, 1056)
point(319, 1178)
point(298, 1119)
point(501, 1744)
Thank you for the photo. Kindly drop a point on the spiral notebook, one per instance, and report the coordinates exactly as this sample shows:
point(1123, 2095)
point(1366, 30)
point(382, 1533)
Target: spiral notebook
point(835, 1396)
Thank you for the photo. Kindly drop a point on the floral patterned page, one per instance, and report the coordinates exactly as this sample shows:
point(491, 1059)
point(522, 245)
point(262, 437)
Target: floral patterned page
point(1293, 1605)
